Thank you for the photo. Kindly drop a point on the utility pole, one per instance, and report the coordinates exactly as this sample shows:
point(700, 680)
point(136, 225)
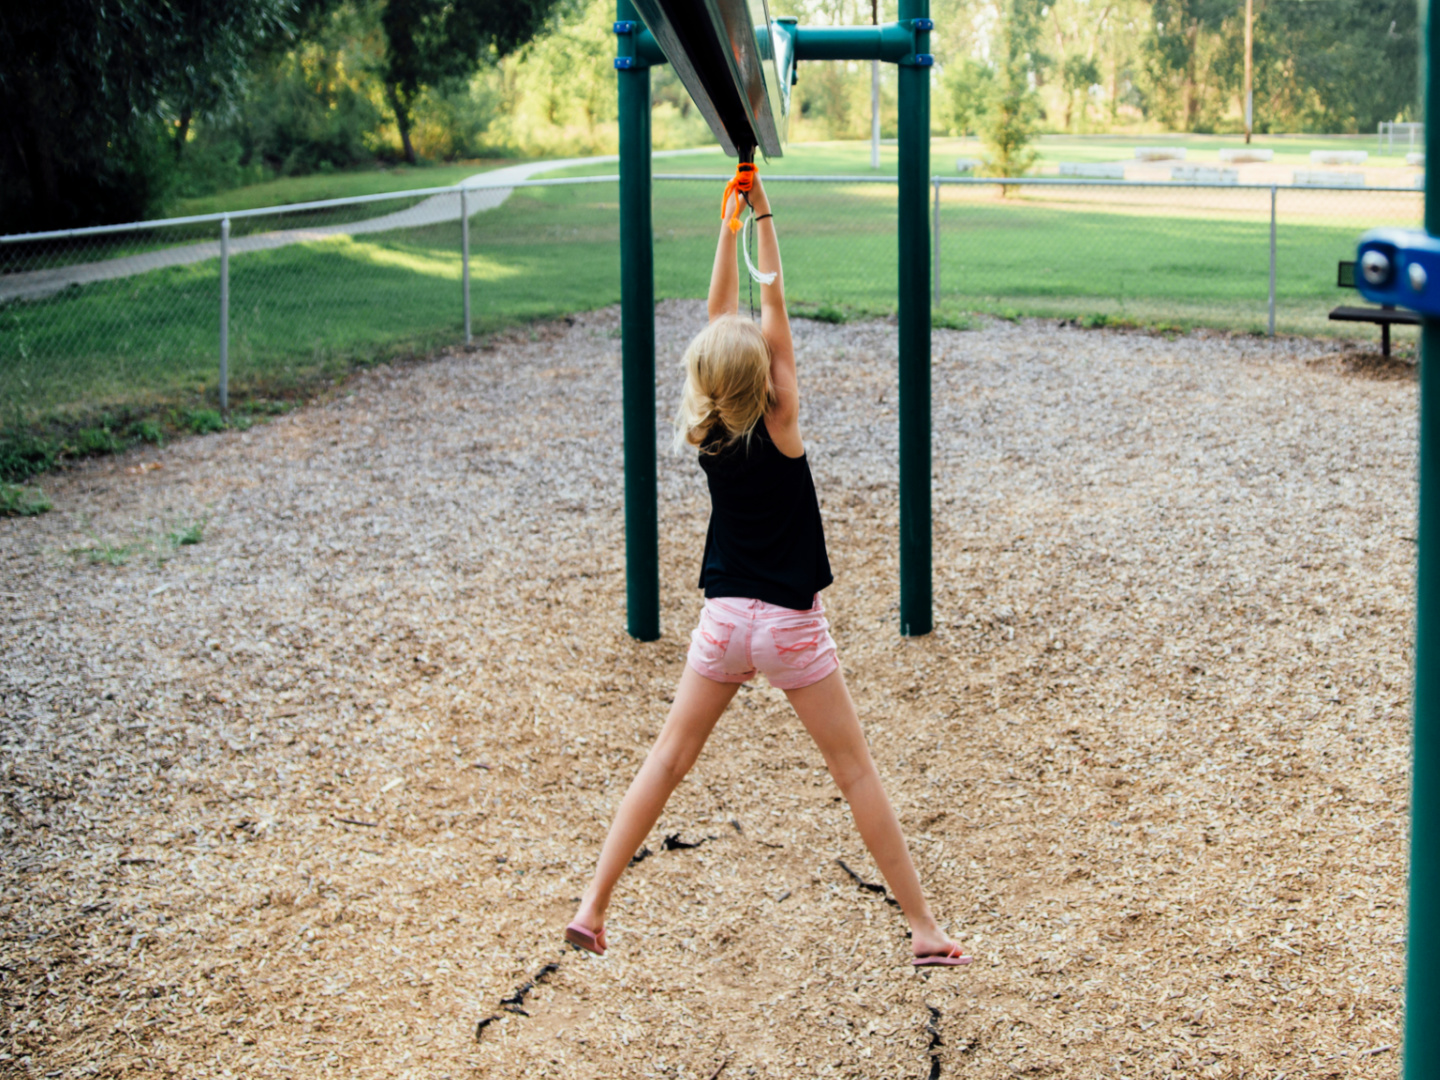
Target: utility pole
point(875, 94)
point(1249, 67)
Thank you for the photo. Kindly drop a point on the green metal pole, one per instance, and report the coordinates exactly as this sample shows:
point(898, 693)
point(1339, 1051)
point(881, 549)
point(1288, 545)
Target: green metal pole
point(914, 312)
point(1422, 980)
point(637, 340)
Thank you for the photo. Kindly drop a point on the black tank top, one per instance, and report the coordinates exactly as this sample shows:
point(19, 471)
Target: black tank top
point(765, 540)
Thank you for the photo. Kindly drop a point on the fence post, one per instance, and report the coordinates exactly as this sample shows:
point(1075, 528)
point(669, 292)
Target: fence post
point(1272, 260)
point(935, 252)
point(465, 258)
point(225, 317)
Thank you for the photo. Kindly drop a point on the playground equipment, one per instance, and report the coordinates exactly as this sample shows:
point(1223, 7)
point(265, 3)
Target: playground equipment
point(1403, 267)
point(739, 69)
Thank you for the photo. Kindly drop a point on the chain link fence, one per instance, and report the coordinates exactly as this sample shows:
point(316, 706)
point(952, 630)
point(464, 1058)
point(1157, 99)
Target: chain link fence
point(1257, 258)
point(105, 331)
point(108, 325)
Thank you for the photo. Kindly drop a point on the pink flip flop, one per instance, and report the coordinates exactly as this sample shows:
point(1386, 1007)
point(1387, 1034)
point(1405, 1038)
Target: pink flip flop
point(941, 960)
point(582, 938)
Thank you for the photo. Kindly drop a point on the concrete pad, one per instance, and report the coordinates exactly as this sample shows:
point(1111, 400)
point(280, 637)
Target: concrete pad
point(1241, 155)
point(1204, 174)
point(1094, 170)
point(1327, 178)
point(1160, 153)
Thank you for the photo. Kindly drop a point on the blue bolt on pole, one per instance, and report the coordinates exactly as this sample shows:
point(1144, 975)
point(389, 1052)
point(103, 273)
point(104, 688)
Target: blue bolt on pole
point(1422, 979)
point(637, 335)
point(914, 318)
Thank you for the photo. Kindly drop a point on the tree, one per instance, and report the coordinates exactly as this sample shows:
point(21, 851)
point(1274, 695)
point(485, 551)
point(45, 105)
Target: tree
point(212, 48)
point(1343, 65)
point(1077, 75)
point(1183, 49)
point(431, 41)
point(318, 104)
point(967, 84)
point(81, 88)
point(1079, 28)
point(1014, 107)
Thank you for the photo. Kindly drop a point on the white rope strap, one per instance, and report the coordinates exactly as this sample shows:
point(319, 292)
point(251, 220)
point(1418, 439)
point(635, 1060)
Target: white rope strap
point(756, 275)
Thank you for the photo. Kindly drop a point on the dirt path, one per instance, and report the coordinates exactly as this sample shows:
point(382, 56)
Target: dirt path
point(314, 796)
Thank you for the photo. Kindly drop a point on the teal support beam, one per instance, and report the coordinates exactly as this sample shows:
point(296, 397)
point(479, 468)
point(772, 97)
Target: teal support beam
point(637, 334)
point(888, 43)
point(1422, 978)
point(647, 49)
point(914, 318)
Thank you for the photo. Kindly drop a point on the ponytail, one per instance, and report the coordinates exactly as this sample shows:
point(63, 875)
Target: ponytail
point(727, 383)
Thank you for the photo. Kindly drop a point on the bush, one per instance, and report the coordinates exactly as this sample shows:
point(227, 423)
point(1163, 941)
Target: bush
point(24, 454)
point(95, 440)
point(452, 121)
point(203, 421)
point(216, 159)
point(18, 501)
point(951, 320)
point(148, 431)
point(127, 180)
point(189, 534)
point(826, 313)
point(299, 121)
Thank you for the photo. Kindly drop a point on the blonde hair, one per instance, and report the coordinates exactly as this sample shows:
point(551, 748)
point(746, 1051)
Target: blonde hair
point(727, 382)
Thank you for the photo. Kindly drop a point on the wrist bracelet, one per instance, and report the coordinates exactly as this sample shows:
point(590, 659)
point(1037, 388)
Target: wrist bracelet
point(762, 217)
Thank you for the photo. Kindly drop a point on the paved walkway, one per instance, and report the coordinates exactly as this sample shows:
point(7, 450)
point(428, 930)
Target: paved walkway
point(36, 284)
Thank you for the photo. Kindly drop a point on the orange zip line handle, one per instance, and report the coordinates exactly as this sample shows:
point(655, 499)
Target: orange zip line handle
point(739, 186)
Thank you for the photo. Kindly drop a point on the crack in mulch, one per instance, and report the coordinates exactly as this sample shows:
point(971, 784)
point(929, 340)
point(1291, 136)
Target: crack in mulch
point(515, 1002)
point(933, 1027)
point(672, 843)
point(868, 886)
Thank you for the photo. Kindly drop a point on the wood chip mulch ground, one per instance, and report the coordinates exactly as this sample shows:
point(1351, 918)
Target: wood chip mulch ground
point(316, 794)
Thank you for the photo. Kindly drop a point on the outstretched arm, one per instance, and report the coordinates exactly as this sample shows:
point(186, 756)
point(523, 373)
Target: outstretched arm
point(775, 320)
point(724, 278)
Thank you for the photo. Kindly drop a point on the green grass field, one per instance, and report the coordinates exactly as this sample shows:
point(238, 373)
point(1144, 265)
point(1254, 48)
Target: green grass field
point(117, 353)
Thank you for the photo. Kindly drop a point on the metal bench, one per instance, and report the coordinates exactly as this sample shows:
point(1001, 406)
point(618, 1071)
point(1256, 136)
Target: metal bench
point(1385, 317)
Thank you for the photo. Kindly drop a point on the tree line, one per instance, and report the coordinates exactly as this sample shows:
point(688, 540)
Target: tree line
point(109, 109)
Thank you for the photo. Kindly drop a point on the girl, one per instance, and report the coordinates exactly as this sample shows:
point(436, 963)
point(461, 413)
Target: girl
point(763, 569)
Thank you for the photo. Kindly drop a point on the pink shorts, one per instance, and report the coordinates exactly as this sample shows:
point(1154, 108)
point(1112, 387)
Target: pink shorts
point(738, 637)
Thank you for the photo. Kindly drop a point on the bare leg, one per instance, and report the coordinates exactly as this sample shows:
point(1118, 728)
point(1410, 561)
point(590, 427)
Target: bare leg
point(698, 704)
point(829, 716)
